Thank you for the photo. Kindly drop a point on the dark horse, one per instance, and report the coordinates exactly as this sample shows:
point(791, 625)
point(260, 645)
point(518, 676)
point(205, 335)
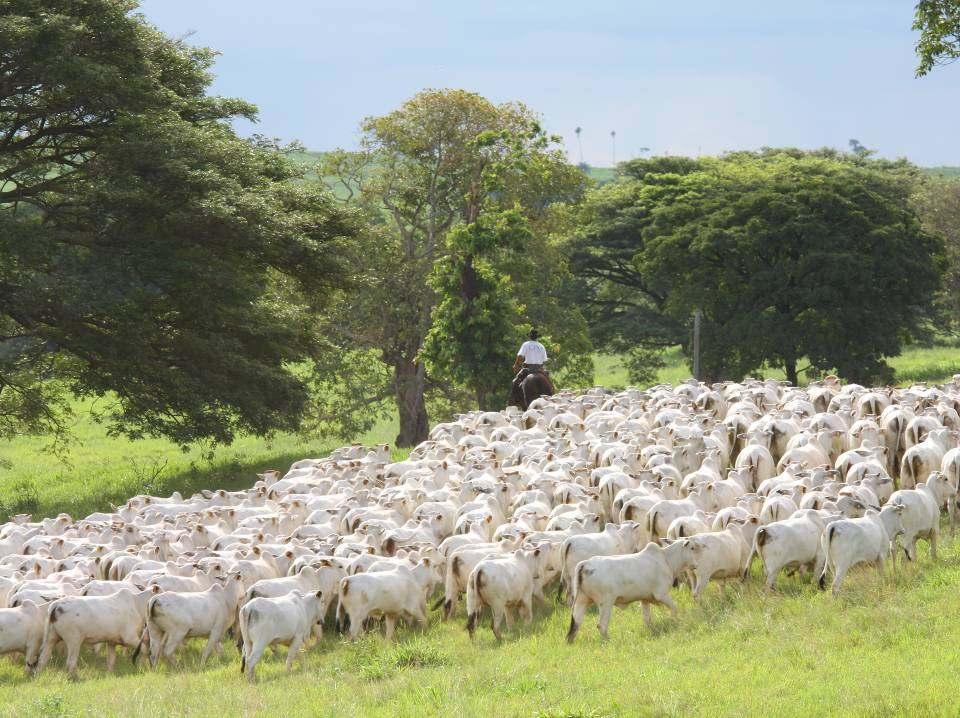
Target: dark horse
point(532, 387)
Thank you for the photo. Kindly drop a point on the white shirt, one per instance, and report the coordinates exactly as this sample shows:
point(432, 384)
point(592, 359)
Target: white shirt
point(533, 353)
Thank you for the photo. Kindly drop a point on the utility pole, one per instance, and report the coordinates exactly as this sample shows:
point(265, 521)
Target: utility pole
point(613, 143)
point(579, 145)
point(697, 316)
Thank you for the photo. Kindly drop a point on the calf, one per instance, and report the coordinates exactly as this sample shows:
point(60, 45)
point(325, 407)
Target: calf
point(503, 582)
point(921, 512)
point(75, 620)
point(174, 616)
point(398, 593)
point(792, 542)
point(606, 581)
point(285, 620)
point(851, 541)
point(21, 631)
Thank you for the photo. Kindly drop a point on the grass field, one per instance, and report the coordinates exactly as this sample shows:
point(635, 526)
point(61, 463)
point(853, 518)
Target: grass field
point(882, 648)
point(103, 470)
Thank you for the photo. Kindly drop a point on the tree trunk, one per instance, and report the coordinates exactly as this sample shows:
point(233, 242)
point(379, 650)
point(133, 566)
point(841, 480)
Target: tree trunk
point(790, 367)
point(410, 381)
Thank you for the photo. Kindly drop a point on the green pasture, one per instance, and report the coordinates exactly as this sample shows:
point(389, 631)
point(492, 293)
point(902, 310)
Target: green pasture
point(882, 648)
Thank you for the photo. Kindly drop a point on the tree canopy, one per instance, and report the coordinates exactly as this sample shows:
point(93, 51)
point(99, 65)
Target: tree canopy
point(939, 24)
point(788, 255)
point(421, 175)
point(147, 253)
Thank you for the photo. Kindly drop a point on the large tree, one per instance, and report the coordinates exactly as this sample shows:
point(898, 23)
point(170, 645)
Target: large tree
point(420, 173)
point(938, 204)
point(794, 256)
point(624, 310)
point(475, 328)
point(788, 254)
point(939, 24)
point(146, 252)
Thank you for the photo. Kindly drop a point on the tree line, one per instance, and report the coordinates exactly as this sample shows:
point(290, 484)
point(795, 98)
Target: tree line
point(204, 285)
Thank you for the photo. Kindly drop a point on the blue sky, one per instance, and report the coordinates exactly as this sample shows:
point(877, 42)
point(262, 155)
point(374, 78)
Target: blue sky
point(677, 77)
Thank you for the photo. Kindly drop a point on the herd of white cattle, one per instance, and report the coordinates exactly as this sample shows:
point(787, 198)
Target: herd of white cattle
point(612, 498)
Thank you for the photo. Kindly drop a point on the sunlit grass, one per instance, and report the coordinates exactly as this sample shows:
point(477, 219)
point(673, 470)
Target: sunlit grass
point(934, 365)
point(884, 647)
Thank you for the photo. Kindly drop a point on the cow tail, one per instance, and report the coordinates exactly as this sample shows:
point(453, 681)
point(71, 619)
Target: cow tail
point(825, 542)
point(474, 606)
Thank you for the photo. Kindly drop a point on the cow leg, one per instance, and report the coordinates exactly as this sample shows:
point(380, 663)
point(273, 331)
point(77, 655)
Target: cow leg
point(157, 639)
point(508, 615)
point(910, 547)
point(356, 625)
point(73, 655)
point(839, 573)
point(213, 643)
point(497, 613)
point(31, 655)
point(294, 649)
point(772, 573)
point(818, 564)
point(419, 616)
point(245, 650)
point(527, 607)
point(580, 607)
point(667, 600)
point(46, 651)
point(111, 657)
point(934, 538)
point(606, 610)
point(702, 581)
point(390, 625)
point(253, 657)
point(646, 615)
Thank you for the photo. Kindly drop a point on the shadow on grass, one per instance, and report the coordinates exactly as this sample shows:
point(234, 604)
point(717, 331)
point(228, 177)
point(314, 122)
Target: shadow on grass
point(230, 473)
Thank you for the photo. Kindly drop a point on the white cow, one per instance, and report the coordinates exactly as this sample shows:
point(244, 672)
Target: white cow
point(503, 582)
point(865, 540)
point(21, 631)
point(607, 581)
point(921, 512)
point(174, 616)
point(400, 592)
point(75, 620)
point(791, 543)
point(614, 539)
point(284, 620)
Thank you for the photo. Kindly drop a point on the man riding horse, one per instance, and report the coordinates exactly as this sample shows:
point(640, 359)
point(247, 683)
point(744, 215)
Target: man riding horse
point(532, 380)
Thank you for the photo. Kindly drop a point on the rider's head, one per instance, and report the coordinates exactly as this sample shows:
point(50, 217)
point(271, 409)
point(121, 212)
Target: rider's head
point(534, 335)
